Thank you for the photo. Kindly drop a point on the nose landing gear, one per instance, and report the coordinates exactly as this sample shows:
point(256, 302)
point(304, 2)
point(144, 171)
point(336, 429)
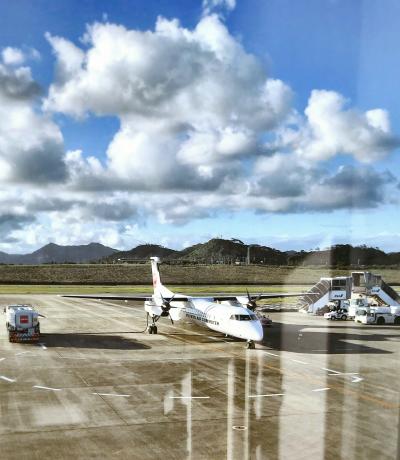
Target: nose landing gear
point(251, 345)
point(152, 329)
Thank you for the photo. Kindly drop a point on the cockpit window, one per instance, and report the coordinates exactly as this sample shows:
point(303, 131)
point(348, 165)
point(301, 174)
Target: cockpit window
point(250, 317)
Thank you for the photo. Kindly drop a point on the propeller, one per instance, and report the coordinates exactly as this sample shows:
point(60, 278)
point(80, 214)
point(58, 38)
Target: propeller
point(166, 307)
point(252, 303)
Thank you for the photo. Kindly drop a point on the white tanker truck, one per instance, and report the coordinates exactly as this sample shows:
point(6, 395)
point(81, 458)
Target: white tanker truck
point(22, 322)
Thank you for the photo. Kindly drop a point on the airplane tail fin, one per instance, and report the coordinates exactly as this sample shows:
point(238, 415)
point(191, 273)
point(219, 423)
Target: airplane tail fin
point(160, 290)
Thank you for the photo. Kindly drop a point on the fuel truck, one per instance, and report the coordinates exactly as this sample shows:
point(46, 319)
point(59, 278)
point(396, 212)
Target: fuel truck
point(22, 322)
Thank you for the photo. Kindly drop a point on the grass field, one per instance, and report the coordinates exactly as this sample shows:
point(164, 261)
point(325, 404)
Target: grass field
point(140, 275)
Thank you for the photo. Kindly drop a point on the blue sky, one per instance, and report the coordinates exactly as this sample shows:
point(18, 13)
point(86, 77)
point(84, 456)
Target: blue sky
point(172, 122)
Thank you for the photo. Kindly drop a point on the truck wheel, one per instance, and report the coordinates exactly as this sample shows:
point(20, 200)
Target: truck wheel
point(380, 320)
point(344, 317)
point(397, 320)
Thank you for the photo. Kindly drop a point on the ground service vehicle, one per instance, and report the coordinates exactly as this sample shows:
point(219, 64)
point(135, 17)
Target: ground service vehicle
point(337, 314)
point(379, 315)
point(22, 322)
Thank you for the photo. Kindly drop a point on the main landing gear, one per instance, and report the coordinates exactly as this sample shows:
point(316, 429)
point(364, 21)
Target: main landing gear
point(251, 345)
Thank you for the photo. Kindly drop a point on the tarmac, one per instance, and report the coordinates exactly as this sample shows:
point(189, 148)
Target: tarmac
point(97, 387)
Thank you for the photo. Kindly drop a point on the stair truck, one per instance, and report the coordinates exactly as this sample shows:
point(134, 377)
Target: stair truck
point(22, 322)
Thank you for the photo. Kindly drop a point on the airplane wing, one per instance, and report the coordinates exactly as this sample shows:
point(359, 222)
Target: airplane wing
point(124, 297)
point(108, 297)
point(212, 298)
point(277, 295)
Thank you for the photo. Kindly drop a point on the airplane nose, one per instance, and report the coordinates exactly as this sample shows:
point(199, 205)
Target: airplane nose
point(256, 332)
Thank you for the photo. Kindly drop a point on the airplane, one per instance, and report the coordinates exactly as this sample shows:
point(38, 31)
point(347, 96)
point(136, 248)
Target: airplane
point(232, 315)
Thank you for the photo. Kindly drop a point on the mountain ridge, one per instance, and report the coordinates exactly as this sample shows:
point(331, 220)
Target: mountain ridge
point(216, 250)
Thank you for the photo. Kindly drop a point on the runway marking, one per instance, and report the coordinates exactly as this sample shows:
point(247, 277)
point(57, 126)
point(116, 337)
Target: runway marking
point(43, 346)
point(22, 353)
point(357, 379)
point(321, 389)
point(40, 387)
point(298, 361)
point(272, 354)
point(330, 370)
point(70, 357)
point(111, 394)
point(355, 393)
point(189, 397)
point(2, 359)
point(344, 373)
point(7, 379)
point(266, 396)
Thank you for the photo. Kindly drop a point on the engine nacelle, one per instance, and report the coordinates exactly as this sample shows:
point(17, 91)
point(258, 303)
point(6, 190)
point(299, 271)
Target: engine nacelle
point(152, 308)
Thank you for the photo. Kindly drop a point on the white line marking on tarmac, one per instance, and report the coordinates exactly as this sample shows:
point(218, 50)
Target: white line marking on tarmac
point(189, 397)
point(71, 357)
point(357, 379)
point(7, 379)
point(298, 361)
point(43, 346)
point(22, 353)
point(2, 359)
point(40, 387)
point(111, 394)
point(321, 389)
point(272, 354)
point(266, 396)
point(344, 373)
point(330, 370)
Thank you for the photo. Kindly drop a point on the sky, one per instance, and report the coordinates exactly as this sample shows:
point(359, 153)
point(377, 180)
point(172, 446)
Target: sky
point(173, 122)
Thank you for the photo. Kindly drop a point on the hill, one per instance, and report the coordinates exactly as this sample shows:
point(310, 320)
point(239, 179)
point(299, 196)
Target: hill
point(141, 252)
point(218, 250)
point(345, 255)
point(54, 253)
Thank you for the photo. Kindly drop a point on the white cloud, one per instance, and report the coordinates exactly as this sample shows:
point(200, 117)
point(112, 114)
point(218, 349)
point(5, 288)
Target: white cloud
point(210, 6)
point(12, 56)
point(188, 100)
point(194, 109)
point(31, 145)
point(331, 129)
point(16, 56)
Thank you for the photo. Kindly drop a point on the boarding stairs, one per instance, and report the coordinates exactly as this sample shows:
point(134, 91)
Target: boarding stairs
point(385, 294)
point(312, 303)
